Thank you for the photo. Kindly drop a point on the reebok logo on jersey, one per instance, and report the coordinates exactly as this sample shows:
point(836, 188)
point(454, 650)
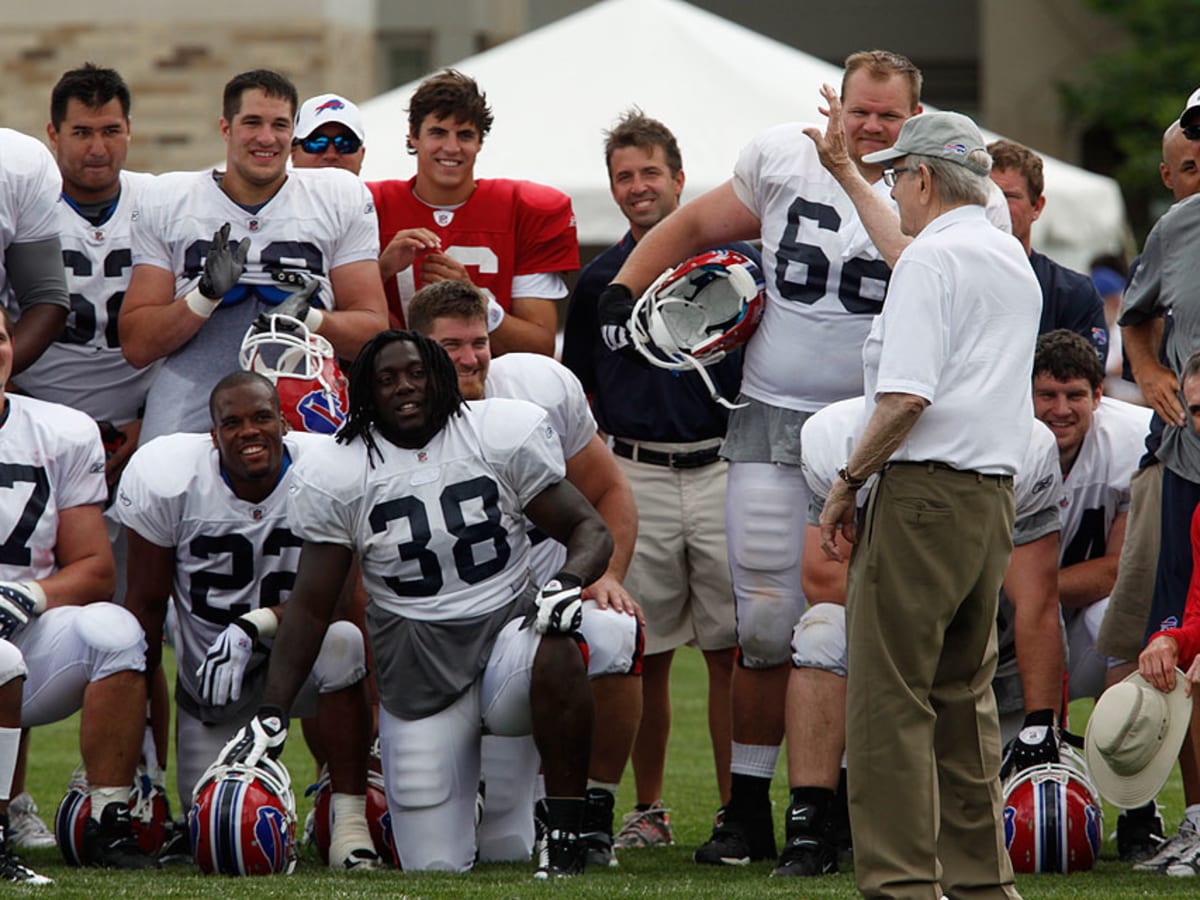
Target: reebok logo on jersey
point(1043, 484)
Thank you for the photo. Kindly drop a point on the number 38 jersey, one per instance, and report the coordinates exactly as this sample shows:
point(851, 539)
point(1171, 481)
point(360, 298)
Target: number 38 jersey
point(440, 530)
point(84, 368)
point(51, 459)
point(231, 556)
point(504, 230)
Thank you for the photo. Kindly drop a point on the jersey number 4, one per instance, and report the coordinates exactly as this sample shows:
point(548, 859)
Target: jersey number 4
point(489, 531)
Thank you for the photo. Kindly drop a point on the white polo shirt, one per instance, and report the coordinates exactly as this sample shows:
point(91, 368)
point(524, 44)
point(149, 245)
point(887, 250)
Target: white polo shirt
point(958, 329)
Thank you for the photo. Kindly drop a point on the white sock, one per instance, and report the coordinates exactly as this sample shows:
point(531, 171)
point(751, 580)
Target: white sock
point(594, 785)
point(350, 831)
point(10, 740)
point(754, 759)
point(102, 796)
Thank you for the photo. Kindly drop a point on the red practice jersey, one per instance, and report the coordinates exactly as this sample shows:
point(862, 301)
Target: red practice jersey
point(506, 228)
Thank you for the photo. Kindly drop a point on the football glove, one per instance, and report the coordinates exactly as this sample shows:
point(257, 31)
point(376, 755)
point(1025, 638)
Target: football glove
point(613, 309)
point(303, 288)
point(20, 601)
point(560, 605)
point(262, 736)
point(224, 264)
point(1035, 745)
point(225, 663)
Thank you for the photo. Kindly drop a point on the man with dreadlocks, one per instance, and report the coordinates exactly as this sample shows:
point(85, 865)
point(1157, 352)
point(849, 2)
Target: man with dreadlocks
point(431, 493)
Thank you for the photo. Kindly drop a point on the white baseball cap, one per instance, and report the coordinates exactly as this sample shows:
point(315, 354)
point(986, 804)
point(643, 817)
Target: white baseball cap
point(943, 135)
point(1191, 110)
point(325, 108)
point(1133, 739)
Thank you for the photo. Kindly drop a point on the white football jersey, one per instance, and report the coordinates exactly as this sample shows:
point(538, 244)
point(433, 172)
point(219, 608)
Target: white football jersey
point(84, 368)
point(320, 219)
point(440, 530)
point(51, 458)
point(231, 556)
point(555, 390)
point(30, 192)
point(1097, 487)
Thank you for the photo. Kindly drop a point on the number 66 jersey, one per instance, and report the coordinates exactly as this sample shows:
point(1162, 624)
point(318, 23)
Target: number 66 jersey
point(439, 529)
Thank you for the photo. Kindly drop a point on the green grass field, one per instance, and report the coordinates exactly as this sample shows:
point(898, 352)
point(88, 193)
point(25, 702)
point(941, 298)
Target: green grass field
point(690, 794)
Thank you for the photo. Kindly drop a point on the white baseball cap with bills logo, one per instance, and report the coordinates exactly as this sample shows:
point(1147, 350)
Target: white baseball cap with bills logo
point(326, 108)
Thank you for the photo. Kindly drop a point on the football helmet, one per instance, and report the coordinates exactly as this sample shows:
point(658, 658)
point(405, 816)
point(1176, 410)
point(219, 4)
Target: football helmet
point(696, 313)
point(303, 367)
point(1053, 820)
point(379, 820)
point(243, 819)
point(149, 812)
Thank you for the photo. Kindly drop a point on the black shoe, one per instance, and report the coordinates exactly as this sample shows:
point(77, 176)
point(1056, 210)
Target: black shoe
point(1139, 834)
point(735, 843)
point(561, 855)
point(110, 844)
point(597, 833)
point(11, 867)
point(808, 850)
point(177, 848)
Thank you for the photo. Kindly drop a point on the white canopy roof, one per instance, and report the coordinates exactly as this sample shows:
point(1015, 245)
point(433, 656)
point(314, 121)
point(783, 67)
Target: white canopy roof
point(555, 90)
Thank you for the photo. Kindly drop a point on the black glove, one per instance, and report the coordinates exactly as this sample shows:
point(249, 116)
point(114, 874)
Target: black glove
point(1035, 745)
point(263, 736)
point(613, 309)
point(224, 264)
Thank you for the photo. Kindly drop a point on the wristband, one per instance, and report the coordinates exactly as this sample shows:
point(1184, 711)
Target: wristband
point(495, 314)
point(263, 621)
point(201, 305)
point(39, 596)
point(313, 320)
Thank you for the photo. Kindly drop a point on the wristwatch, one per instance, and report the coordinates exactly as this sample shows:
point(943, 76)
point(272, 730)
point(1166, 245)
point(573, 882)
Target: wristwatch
point(853, 483)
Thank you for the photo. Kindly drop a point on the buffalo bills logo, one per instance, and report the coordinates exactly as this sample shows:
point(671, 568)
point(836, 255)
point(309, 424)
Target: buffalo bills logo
point(1168, 622)
point(1099, 336)
point(331, 105)
point(956, 147)
point(1094, 828)
point(1010, 826)
point(389, 839)
point(321, 412)
point(270, 834)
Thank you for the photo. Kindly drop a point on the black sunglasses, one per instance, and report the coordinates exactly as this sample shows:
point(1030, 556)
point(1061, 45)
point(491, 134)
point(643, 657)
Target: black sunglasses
point(343, 143)
point(1192, 132)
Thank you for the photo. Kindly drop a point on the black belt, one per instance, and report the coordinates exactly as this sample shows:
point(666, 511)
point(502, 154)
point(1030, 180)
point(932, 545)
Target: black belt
point(687, 459)
point(931, 466)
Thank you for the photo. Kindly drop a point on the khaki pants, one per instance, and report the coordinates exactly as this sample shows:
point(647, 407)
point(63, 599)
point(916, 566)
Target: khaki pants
point(1123, 630)
point(922, 736)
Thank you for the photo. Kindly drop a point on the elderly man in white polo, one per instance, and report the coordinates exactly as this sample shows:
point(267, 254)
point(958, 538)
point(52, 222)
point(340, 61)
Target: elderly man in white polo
point(946, 370)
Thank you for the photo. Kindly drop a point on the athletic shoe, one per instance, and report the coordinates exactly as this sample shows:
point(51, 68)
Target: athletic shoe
point(1188, 863)
point(735, 843)
point(11, 867)
point(26, 828)
point(1139, 837)
point(110, 844)
point(808, 850)
point(597, 832)
point(561, 855)
point(177, 848)
point(1171, 851)
point(361, 859)
point(645, 828)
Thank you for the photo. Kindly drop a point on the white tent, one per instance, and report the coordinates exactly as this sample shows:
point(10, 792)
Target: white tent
point(715, 84)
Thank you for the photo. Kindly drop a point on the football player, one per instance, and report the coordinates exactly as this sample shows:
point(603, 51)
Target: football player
point(826, 280)
point(432, 494)
point(32, 285)
point(213, 250)
point(454, 313)
point(1028, 682)
point(510, 238)
point(329, 134)
point(56, 574)
point(209, 527)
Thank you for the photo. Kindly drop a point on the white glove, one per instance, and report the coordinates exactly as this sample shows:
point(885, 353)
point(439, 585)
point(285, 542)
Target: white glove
point(19, 602)
point(225, 663)
point(560, 605)
point(263, 736)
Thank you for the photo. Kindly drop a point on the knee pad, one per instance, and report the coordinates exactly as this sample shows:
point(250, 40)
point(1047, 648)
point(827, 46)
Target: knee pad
point(819, 639)
point(12, 663)
point(614, 641)
point(509, 772)
point(342, 660)
point(428, 761)
point(113, 637)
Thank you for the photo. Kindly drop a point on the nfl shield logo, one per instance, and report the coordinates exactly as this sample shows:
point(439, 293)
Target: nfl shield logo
point(252, 225)
point(443, 216)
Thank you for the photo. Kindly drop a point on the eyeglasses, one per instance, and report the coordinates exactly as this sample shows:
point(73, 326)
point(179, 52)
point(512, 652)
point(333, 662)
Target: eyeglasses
point(342, 143)
point(1191, 132)
point(889, 175)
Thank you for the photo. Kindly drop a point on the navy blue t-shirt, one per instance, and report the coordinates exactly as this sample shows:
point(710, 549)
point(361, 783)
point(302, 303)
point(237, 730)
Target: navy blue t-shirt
point(1070, 300)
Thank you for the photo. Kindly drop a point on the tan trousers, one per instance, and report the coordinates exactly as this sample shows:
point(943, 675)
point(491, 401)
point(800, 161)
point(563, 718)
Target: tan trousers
point(922, 736)
point(1123, 631)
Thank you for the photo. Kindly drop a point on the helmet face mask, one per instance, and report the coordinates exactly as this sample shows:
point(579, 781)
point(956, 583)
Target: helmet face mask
point(1053, 820)
point(243, 820)
point(694, 315)
point(313, 393)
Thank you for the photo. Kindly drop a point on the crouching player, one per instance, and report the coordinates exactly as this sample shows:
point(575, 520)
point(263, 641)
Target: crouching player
point(208, 525)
